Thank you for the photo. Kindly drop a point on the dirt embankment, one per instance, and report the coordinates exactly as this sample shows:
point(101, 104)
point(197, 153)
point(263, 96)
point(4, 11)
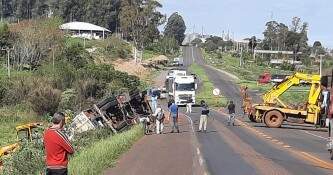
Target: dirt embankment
point(131, 67)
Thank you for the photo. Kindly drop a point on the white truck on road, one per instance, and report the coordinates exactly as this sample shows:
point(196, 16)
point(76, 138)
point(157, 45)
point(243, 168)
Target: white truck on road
point(172, 74)
point(184, 89)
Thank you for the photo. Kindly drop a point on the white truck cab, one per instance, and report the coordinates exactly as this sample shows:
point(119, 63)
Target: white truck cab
point(184, 89)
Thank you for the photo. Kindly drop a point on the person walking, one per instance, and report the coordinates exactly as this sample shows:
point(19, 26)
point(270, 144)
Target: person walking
point(231, 117)
point(174, 115)
point(204, 116)
point(57, 146)
point(159, 114)
point(189, 106)
point(154, 101)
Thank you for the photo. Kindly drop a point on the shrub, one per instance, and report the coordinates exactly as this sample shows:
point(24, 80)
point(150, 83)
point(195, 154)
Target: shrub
point(3, 89)
point(87, 88)
point(68, 100)
point(44, 99)
point(117, 47)
point(76, 55)
point(28, 160)
point(18, 90)
point(62, 77)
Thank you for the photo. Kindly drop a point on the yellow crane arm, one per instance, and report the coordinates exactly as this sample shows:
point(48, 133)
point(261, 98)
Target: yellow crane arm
point(272, 96)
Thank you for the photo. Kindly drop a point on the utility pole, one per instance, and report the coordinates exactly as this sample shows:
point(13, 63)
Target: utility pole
point(321, 65)
point(241, 57)
point(7, 49)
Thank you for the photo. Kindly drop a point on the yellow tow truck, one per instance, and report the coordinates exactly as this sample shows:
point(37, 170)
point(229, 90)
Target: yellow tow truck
point(273, 111)
point(27, 132)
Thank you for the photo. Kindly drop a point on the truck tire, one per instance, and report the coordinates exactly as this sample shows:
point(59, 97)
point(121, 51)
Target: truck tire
point(273, 119)
point(252, 118)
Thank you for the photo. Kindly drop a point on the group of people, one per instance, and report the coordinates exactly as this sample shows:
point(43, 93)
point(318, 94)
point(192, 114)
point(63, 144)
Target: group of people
point(174, 115)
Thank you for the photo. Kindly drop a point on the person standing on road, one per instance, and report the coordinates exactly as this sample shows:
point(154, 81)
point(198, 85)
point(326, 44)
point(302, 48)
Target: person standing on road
point(231, 117)
point(159, 114)
point(174, 115)
point(204, 116)
point(154, 101)
point(57, 147)
point(189, 106)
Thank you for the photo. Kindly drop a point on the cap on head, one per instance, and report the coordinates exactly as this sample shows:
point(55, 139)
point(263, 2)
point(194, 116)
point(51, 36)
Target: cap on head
point(202, 102)
point(58, 117)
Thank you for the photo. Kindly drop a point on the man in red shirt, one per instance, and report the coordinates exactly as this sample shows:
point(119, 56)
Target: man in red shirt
point(57, 147)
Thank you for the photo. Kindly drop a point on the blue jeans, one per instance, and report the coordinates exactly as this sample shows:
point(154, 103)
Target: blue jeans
point(153, 105)
point(175, 123)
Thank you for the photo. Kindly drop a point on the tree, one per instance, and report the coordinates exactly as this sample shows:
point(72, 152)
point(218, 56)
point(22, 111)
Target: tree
point(175, 27)
point(317, 48)
point(139, 21)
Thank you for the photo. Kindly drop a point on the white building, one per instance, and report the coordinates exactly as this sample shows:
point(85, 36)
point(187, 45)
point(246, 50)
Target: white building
point(85, 30)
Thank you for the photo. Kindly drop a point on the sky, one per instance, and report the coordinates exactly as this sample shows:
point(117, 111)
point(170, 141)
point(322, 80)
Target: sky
point(246, 18)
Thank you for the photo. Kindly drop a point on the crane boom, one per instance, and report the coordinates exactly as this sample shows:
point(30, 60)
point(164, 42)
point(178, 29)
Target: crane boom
point(272, 96)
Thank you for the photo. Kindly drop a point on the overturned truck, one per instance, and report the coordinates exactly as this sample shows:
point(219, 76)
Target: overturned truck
point(116, 112)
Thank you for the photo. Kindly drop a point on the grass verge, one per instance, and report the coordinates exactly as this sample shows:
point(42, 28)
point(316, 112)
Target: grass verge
point(103, 154)
point(206, 90)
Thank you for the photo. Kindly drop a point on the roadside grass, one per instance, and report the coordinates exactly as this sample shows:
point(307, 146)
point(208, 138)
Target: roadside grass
point(206, 90)
point(10, 117)
point(249, 72)
point(103, 154)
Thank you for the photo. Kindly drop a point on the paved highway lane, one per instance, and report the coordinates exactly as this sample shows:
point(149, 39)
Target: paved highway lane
point(251, 148)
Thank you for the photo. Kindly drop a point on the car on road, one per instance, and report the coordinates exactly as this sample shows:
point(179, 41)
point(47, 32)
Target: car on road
point(277, 78)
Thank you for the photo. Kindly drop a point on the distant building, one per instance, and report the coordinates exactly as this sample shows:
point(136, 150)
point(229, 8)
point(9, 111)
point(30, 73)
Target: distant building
point(85, 30)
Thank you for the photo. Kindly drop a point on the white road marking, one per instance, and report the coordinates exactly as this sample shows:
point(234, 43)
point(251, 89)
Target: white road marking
point(315, 135)
point(190, 120)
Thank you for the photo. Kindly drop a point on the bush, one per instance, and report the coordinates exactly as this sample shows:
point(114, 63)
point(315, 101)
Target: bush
point(69, 99)
point(18, 90)
point(63, 76)
point(96, 158)
point(3, 90)
point(117, 47)
point(44, 99)
point(76, 55)
point(28, 160)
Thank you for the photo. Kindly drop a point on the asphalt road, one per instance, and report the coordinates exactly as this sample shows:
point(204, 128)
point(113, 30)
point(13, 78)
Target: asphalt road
point(251, 148)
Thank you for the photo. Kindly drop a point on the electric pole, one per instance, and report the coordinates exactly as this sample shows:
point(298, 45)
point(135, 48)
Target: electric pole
point(8, 59)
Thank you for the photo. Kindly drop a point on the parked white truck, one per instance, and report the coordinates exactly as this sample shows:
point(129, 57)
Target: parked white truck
point(184, 89)
point(170, 79)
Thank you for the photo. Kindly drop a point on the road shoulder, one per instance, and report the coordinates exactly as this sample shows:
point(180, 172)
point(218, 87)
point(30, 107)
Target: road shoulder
point(168, 153)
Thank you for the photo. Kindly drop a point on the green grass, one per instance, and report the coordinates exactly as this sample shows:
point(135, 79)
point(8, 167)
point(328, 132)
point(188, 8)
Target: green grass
point(10, 117)
point(206, 90)
point(250, 71)
point(104, 153)
point(148, 54)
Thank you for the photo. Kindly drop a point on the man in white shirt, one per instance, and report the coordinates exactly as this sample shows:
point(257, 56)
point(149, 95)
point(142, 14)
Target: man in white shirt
point(159, 114)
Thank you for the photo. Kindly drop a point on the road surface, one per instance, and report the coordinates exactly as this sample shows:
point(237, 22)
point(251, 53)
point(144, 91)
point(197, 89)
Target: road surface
point(251, 148)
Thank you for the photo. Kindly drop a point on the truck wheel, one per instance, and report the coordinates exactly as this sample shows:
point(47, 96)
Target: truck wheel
point(273, 119)
point(252, 118)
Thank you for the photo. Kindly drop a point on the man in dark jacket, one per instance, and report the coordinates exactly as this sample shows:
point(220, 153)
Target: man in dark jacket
point(231, 117)
point(204, 116)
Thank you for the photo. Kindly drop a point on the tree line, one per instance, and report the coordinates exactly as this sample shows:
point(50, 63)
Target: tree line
point(137, 20)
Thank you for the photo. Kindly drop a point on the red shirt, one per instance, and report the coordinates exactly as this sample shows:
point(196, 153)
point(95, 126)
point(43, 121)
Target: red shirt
point(57, 148)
